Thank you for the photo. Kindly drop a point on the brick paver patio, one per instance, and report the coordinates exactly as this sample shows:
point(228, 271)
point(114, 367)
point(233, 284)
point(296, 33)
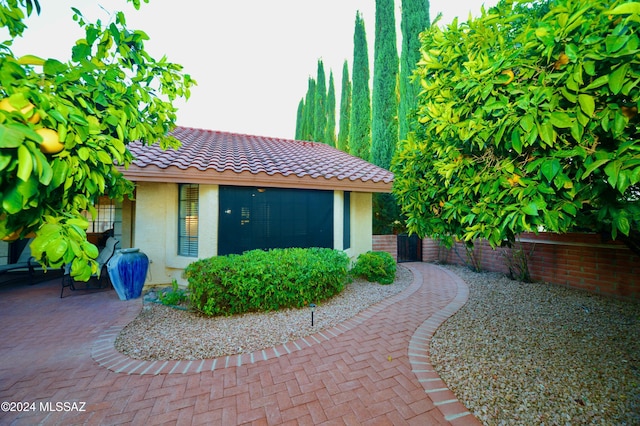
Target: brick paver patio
point(58, 356)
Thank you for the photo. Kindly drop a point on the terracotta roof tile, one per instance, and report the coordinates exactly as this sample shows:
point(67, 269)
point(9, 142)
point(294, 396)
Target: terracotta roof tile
point(205, 151)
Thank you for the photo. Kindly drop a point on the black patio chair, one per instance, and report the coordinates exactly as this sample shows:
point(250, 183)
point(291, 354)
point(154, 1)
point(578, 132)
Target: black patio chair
point(102, 278)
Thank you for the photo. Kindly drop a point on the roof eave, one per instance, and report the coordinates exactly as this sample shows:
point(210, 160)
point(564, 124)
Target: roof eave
point(192, 175)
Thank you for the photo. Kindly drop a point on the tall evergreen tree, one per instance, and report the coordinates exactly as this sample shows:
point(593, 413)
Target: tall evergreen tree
point(300, 120)
point(309, 114)
point(384, 126)
point(320, 110)
point(415, 19)
point(360, 123)
point(345, 109)
point(330, 134)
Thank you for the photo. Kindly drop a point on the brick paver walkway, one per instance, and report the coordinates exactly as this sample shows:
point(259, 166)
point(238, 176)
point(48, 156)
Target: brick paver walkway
point(374, 369)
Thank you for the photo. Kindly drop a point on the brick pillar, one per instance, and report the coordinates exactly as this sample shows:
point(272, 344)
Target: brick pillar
point(388, 243)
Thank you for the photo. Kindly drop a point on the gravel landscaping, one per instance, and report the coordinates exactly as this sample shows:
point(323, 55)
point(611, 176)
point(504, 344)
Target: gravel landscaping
point(164, 333)
point(515, 354)
point(535, 354)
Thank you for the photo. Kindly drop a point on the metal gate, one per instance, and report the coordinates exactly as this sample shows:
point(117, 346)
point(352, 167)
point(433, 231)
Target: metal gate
point(409, 248)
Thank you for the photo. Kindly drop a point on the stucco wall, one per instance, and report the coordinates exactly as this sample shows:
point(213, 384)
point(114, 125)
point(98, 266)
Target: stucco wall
point(361, 224)
point(155, 227)
point(150, 231)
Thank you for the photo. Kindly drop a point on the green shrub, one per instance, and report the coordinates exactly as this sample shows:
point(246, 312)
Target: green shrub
point(266, 280)
point(375, 266)
point(173, 297)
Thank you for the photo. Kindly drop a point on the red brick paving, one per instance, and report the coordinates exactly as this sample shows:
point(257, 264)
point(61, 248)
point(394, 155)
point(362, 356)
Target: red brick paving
point(371, 370)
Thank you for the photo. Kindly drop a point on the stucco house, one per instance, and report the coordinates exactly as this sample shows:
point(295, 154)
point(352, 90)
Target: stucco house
point(224, 193)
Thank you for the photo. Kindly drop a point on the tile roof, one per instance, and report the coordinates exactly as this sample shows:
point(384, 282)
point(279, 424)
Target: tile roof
point(215, 157)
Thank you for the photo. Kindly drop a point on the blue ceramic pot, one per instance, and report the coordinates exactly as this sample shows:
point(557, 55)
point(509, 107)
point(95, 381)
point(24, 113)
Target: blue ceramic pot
point(128, 272)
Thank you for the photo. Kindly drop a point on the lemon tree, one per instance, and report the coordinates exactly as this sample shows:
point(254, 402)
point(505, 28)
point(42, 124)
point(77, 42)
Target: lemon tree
point(527, 123)
point(64, 126)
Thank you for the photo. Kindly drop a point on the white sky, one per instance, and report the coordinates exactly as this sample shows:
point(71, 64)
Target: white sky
point(251, 58)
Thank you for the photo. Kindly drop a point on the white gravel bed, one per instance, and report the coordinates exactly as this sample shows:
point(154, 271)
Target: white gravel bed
point(535, 354)
point(164, 333)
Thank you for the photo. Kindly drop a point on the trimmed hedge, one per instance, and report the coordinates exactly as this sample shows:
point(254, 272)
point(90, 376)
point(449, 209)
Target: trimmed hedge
point(375, 266)
point(266, 280)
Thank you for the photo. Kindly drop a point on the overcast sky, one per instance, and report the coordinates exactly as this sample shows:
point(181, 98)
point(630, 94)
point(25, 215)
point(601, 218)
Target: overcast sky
point(251, 58)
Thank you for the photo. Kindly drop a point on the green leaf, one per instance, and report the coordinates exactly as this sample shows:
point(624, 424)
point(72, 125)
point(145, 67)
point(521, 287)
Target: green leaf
point(516, 142)
point(551, 220)
point(546, 189)
point(614, 43)
point(622, 224)
point(78, 119)
point(12, 201)
point(56, 249)
point(80, 51)
point(10, 138)
point(90, 249)
point(25, 163)
point(104, 157)
point(568, 95)
point(587, 104)
point(56, 115)
point(45, 173)
point(527, 123)
point(590, 68)
point(570, 208)
point(577, 131)
point(83, 153)
point(530, 209)
point(550, 169)
point(619, 124)
point(623, 181)
point(591, 167)
point(625, 9)
point(561, 120)
point(53, 67)
point(616, 78)
point(27, 189)
point(612, 171)
point(60, 168)
point(547, 134)
point(5, 160)
point(598, 82)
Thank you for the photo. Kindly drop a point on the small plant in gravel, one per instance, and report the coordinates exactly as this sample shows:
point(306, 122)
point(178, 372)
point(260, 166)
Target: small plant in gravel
point(375, 266)
point(173, 297)
point(266, 280)
point(517, 260)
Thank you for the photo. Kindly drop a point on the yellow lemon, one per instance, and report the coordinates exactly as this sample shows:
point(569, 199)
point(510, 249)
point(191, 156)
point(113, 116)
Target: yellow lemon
point(50, 142)
point(5, 105)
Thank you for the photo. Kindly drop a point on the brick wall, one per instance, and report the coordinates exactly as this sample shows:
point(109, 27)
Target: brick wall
point(575, 260)
point(386, 243)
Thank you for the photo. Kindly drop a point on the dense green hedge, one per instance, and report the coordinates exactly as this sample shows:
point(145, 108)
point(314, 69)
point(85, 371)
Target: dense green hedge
point(375, 266)
point(266, 280)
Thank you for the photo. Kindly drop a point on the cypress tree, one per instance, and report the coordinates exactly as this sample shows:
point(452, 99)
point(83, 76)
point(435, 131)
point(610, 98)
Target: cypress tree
point(300, 120)
point(309, 115)
point(415, 19)
point(345, 109)
point(384, 127)
point(360, 122)
point(320, 110)
point(330, 136)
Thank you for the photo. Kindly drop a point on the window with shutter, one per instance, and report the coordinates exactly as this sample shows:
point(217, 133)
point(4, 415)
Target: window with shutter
point(346, 222)
point(188, 220)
